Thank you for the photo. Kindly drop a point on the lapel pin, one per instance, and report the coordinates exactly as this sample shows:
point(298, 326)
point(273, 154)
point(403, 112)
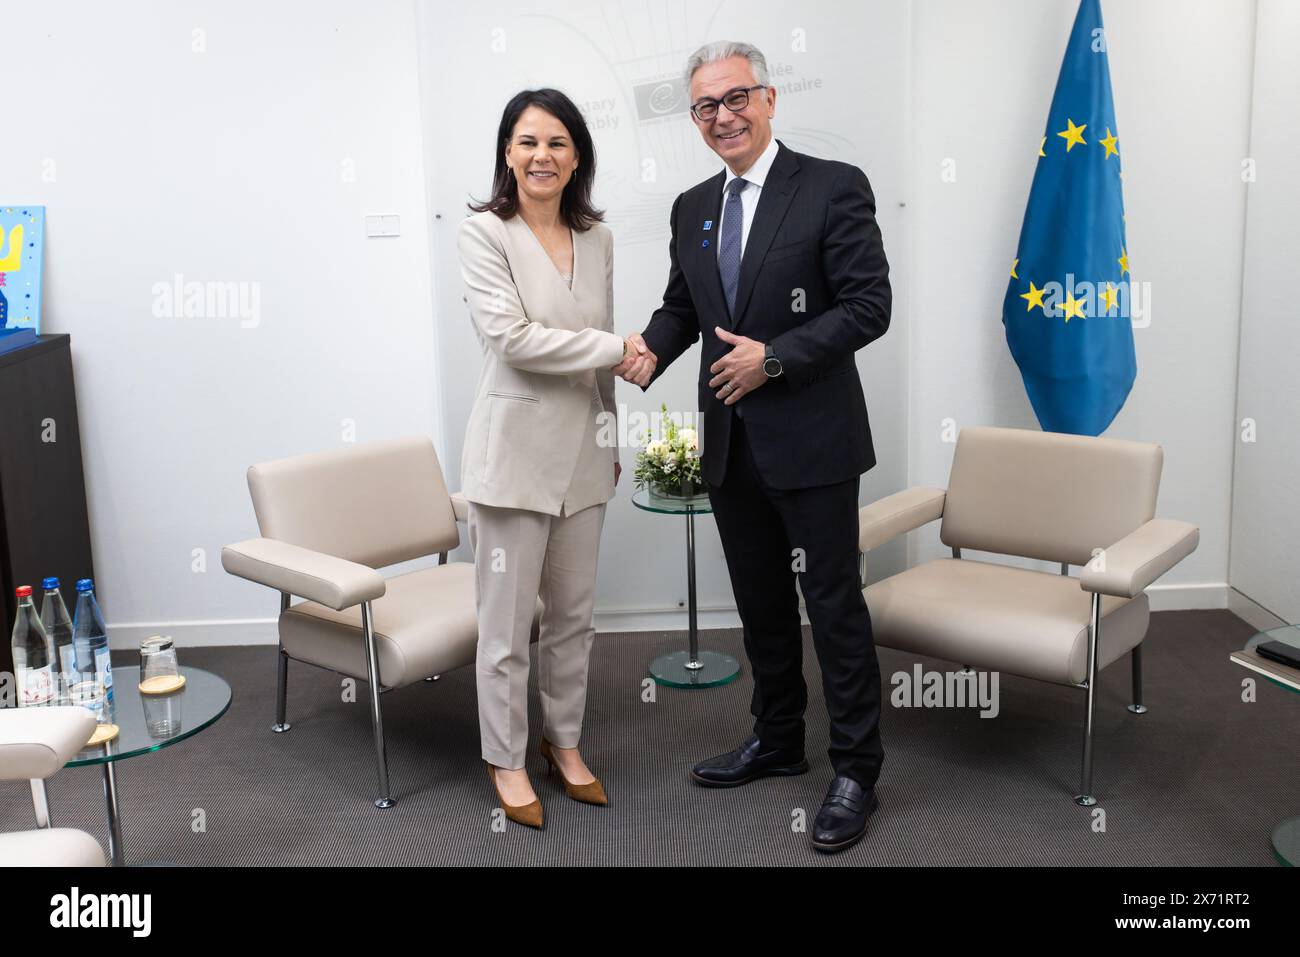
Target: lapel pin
point(706, 244)
point(708, 224)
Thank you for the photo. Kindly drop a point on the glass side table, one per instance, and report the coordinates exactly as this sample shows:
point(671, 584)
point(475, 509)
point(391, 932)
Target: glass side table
point(691, 668)
point(1286, 836)
point(147, 723)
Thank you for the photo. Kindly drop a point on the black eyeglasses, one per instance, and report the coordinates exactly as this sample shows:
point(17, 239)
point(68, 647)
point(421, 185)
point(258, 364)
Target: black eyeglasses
point(734, 100)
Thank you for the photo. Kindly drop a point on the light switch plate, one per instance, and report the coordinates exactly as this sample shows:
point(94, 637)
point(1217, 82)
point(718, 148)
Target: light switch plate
point(383, 226)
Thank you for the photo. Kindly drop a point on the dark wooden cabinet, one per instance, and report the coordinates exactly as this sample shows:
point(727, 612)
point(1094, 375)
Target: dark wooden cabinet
point(44, 525)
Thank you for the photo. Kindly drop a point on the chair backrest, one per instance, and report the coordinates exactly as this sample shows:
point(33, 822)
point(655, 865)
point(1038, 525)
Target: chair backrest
point(1047, 495)
point(375, 503)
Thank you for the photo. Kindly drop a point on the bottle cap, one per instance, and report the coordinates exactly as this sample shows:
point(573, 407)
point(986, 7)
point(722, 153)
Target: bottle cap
point(85, 584)
point(24, 591)
point(50, 583)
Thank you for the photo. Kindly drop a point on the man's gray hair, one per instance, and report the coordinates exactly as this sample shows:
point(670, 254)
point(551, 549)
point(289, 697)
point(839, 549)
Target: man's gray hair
point(725, 50)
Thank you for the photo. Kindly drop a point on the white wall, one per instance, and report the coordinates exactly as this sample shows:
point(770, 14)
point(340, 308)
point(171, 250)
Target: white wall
point(232, 164)
point(1266, 499)
point(236, 164)
point(849, 62)
point(983, 75)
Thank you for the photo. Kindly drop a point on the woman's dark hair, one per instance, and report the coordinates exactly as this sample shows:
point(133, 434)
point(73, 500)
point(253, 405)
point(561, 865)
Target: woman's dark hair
point(575, 202)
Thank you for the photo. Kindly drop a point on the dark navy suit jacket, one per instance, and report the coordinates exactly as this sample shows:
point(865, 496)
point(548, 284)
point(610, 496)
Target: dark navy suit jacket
point(814, 283)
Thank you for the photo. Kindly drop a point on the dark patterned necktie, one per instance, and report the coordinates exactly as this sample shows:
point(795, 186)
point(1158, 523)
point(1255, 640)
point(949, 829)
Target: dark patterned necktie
point(733, 224)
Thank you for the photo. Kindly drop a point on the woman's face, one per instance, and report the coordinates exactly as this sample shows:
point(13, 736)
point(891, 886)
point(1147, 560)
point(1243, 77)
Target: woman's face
point(541, 154)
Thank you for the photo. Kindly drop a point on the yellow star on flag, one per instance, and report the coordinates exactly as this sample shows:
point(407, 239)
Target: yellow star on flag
point(1034, 297)
point(1108, 298)
point(1073, 307)
point(1110, 143)
point(1123, 262)
point(1041, 145)
point(1013, 268)
point(1073, 135)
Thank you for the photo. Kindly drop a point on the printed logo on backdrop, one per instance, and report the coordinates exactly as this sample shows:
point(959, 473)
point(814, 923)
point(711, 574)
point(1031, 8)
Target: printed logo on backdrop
point(662, 98)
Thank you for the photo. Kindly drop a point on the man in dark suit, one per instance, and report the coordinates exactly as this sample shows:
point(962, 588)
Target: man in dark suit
point(777, 263)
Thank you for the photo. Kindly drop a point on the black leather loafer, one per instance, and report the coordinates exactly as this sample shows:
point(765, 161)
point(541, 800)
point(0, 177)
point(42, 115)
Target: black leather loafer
point(843, 818)
point(748, 762)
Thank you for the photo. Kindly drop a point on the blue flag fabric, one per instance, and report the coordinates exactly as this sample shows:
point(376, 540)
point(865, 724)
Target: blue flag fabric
point(1068, 307)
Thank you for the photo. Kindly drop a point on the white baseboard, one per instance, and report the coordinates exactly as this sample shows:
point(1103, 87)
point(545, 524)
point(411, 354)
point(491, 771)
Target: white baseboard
point(664, 619)
point(1188, 597)
point(1253, 613)
point(196, 634)
point(262, 631)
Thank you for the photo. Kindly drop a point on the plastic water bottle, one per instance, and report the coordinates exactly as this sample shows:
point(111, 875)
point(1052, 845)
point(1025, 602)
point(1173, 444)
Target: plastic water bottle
point(90, 638)
point(58, 625)
point(33, 655)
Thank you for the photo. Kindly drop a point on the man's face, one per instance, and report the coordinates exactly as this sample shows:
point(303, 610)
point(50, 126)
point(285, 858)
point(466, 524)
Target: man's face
point(739, 138)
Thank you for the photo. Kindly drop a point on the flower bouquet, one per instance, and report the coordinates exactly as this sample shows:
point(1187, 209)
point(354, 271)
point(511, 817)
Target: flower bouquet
point(670, 466)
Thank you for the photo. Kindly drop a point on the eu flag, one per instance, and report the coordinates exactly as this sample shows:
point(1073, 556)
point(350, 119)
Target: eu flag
point(1067, 310)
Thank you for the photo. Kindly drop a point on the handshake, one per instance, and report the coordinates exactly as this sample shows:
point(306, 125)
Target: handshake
point(638, 365)
point(738, 373)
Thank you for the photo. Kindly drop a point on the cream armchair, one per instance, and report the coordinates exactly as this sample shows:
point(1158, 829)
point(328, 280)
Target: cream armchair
point(34, 743)
point(1067, 499)
point(329, 520)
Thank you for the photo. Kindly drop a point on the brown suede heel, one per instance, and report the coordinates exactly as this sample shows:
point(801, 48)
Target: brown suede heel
point(592, 793)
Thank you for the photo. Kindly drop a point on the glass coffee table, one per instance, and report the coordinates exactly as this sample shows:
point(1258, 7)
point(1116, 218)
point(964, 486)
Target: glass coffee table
point(1286, 836)
point(147, 723)
point(692, 668)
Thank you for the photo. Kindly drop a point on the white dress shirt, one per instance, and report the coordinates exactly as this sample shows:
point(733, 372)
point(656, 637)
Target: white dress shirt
point(754, 179)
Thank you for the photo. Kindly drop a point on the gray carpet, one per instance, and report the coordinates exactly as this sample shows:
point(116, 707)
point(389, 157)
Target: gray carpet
point(1199, 780)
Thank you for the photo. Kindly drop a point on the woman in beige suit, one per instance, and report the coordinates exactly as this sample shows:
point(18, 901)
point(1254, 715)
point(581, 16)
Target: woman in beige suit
point(541, 451)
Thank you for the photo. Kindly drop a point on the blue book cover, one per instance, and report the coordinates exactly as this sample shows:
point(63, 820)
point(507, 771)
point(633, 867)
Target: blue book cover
point(11, 339)
point(22, 253)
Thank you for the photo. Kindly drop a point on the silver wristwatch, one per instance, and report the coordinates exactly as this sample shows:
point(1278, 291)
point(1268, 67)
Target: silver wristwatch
point(771, 364)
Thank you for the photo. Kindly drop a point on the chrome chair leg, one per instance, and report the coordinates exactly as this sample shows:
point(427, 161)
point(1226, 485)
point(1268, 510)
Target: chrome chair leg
point(1085, 797)
point(376, 716)
point(1137, 707)
point(41, 803)
point(281, 679)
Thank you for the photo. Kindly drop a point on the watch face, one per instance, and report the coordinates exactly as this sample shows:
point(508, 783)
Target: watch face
point(772, 366)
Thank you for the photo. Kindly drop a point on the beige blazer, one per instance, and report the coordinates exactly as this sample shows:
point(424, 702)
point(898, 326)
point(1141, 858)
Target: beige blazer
point(548, 351)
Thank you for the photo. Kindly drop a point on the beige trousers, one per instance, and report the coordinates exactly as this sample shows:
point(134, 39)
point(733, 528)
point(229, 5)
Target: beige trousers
point(520, 555)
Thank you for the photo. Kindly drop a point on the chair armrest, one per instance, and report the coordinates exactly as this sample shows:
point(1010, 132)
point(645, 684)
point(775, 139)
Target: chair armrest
point(335, 582)
point(36, 742)
point(893, 515)
point(460, 505)
point(1140, 557)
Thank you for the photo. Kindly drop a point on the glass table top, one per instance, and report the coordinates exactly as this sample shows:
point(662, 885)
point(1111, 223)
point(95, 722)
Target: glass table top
point(1287, 635)
point(698, 505)
point(149, 722)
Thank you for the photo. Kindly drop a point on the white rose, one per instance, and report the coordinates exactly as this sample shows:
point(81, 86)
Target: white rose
point(690, 438)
